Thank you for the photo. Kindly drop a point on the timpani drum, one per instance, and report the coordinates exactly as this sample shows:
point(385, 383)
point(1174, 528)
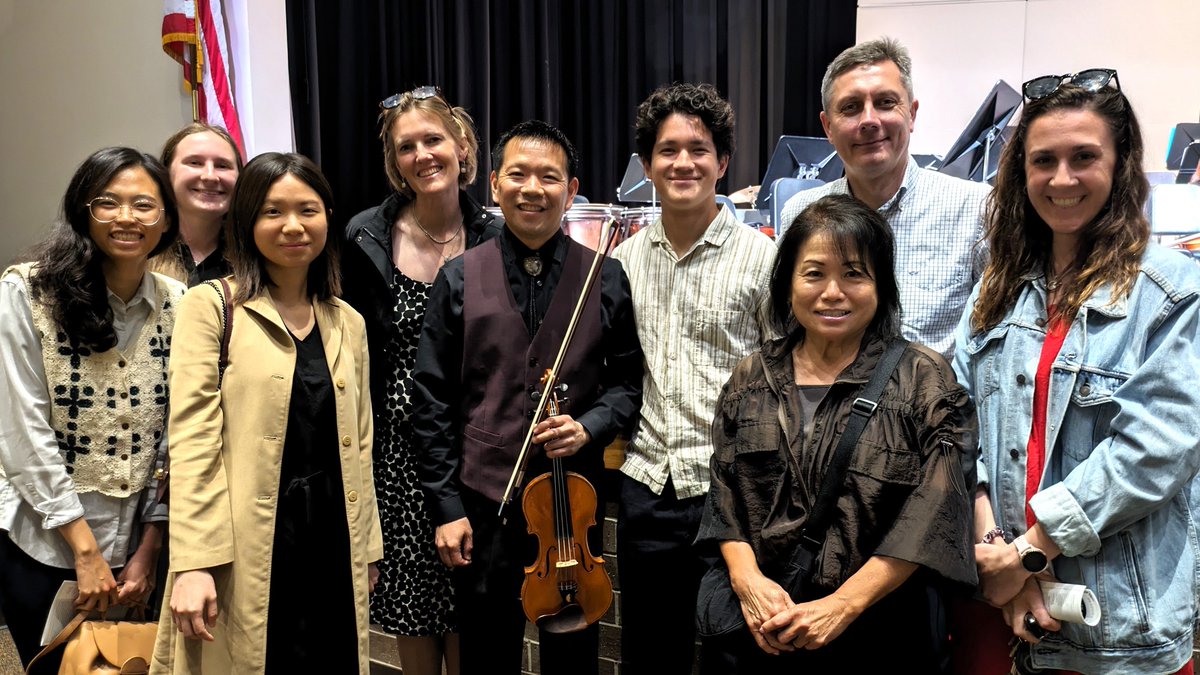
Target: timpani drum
point(637, 218)
point(585, 222)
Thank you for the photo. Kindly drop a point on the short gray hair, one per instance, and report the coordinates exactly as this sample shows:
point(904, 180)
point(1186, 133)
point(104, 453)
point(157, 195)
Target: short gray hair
point(865, 54)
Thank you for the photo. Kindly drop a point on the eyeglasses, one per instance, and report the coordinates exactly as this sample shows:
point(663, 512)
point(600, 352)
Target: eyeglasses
point(1092, 79)
point(106, 209)
point(418, 94)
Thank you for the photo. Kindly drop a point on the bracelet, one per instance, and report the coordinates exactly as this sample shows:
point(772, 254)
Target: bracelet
point(992, 534)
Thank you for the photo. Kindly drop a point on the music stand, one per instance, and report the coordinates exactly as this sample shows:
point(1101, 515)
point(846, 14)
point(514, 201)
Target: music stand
point(1187, 162)
point(931, 162)
point(1183, 135)
point(808, 157)
point(635, 185)
point(975, 155)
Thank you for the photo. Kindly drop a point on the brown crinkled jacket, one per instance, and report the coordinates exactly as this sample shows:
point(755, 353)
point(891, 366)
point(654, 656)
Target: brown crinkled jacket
point(907, 488)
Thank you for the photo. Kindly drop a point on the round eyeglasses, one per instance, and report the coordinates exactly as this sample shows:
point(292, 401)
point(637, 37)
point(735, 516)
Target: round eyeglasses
point(106, 209)
point(1092, 79)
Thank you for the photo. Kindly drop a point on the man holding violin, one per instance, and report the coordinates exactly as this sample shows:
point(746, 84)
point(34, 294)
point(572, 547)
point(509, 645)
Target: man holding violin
point(495, 323)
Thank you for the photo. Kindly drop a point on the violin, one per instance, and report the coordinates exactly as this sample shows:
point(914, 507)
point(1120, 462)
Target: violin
point(566, 589)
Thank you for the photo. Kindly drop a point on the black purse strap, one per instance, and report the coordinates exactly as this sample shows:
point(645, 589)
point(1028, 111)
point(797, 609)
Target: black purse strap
point(224, 294)
point(226, 327)
point(860, 412)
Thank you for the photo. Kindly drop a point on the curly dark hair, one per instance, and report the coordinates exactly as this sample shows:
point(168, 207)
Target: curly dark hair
point(1111, 246)
point(857, 232)
point(249, 194)
point(701, 100)
point(539, 130)
point(68, 266)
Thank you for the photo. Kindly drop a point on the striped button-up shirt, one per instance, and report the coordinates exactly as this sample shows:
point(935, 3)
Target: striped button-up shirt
point(940, 253)
point(697, 315)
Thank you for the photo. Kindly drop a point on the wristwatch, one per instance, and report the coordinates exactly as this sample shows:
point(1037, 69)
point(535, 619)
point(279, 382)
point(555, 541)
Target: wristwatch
point(1033, 559)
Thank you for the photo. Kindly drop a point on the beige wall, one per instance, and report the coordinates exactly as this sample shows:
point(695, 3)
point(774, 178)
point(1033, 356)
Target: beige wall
point(961, 47)
point(76, 75)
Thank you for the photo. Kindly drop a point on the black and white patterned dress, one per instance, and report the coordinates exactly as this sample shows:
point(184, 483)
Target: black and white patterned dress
point(413, 596)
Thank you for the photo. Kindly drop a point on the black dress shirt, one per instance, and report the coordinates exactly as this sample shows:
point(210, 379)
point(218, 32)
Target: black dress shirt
point(212, 267)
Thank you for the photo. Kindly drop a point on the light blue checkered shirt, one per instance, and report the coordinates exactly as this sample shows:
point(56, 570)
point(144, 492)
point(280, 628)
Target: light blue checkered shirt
point(938, 224)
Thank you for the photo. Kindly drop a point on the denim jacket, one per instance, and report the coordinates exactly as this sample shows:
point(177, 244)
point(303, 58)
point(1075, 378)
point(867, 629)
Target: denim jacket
point(1123, 449)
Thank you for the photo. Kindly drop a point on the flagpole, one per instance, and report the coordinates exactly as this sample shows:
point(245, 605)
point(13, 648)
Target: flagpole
point(196, 70)
point(194, 78)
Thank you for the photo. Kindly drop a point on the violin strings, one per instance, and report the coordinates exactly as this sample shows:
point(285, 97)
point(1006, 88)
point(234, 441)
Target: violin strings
point(562, 516)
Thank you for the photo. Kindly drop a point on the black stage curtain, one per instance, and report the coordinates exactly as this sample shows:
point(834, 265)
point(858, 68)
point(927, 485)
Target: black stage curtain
point(582, 65)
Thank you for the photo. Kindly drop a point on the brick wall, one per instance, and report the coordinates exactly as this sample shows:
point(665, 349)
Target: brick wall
point(610, 624)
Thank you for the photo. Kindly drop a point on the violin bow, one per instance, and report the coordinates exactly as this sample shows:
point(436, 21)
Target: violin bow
point(607, 233)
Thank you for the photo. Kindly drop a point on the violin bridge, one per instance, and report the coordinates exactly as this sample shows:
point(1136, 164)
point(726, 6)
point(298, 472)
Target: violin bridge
point(562, 564)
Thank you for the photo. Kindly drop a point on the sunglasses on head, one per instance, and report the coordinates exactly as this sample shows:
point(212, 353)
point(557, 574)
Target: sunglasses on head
point(418, 94)
point(1092, 79)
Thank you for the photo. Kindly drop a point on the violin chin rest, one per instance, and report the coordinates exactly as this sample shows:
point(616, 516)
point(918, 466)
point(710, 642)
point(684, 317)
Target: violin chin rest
point(569, 619)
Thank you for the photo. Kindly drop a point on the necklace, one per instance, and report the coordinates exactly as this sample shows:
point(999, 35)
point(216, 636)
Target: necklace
point(1054, 282)
point(439, 242)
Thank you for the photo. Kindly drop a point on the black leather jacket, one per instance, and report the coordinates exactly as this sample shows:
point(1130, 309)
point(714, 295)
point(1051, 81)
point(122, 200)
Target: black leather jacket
point(367, 272)
point(907, 490)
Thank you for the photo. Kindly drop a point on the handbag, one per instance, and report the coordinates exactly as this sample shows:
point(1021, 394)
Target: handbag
point(718, 608)
point(164, 483)
point(96, 646)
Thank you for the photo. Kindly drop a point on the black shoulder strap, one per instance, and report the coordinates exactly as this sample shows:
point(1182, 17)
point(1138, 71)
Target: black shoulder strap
point(818, 521)
point(164, 486)
point(226, 327)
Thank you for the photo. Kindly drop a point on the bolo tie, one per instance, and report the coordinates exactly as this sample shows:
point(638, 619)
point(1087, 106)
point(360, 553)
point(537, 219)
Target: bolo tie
point(532, 264)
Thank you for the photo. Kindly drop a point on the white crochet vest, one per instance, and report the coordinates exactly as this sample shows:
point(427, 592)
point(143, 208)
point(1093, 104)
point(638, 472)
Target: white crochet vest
point(108, 409)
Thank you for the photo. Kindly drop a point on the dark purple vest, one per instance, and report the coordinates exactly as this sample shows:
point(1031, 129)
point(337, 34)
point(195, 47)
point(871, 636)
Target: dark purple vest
point(502, 367)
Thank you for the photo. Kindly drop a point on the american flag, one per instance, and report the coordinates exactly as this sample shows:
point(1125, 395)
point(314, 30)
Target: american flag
point(205, 57)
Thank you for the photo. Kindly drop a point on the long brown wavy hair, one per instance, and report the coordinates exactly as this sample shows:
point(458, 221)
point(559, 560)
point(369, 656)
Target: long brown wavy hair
point(1111, 246)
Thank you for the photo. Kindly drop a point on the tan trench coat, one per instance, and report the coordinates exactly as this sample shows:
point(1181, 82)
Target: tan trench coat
point(226, 448)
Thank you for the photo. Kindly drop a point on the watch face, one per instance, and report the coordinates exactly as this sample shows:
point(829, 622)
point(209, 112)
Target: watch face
point(1033, 561)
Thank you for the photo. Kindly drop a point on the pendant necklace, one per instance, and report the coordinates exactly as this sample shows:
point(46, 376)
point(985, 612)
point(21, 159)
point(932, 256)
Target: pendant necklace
point(1054, 282)
point(439, 242)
